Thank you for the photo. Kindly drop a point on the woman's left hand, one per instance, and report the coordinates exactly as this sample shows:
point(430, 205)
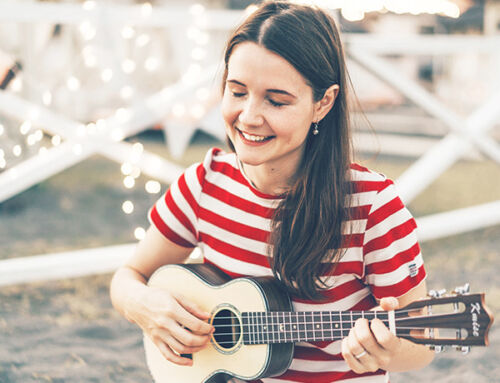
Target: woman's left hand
point(370, 346)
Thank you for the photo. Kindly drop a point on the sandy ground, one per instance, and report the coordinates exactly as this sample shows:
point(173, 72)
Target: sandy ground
point(67, 331)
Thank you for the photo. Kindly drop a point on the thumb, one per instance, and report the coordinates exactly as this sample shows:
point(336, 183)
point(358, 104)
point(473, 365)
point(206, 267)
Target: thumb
point(389, 303)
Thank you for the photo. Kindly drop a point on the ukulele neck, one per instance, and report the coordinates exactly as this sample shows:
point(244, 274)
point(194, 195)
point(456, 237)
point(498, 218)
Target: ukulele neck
point(305, 326)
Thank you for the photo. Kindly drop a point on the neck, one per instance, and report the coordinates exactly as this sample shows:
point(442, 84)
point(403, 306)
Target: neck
point(283, 327)
point(268, 179)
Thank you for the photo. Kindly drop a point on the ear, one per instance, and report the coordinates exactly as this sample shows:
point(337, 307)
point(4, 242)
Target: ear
point(323, 106)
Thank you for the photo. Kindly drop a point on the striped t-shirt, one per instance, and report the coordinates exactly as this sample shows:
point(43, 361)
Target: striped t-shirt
point(215, 207)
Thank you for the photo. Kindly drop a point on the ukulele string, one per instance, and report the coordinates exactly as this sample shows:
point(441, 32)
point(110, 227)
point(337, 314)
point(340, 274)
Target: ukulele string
point(286, 332)
point(279, 314)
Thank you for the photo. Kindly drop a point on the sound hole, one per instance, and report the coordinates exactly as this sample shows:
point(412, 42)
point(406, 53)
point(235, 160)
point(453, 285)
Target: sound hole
point(227, 329)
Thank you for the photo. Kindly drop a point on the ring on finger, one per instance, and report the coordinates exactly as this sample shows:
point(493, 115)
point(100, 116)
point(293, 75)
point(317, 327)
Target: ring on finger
point(361, 354)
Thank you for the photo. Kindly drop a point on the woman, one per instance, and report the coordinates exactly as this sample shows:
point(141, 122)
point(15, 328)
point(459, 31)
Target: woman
point(289, 202)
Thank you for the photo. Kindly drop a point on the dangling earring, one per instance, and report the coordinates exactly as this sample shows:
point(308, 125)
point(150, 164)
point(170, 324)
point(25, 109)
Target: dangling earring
point(315, 128)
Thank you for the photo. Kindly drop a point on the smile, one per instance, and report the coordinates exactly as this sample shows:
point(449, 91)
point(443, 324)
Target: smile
point(254, 138)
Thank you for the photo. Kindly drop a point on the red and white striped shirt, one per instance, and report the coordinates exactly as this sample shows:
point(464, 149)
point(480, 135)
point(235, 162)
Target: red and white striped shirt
point(214, 206)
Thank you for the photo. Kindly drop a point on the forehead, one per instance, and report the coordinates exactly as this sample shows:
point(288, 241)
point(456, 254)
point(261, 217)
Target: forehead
point(255, 65)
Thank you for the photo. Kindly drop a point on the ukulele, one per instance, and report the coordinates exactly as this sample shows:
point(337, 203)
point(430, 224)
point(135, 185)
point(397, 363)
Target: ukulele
point(256, 327)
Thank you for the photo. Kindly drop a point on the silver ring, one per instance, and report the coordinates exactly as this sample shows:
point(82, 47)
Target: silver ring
point(363, 353)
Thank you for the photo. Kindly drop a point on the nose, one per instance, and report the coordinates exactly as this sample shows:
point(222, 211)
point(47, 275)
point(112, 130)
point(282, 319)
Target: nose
point(251, 114)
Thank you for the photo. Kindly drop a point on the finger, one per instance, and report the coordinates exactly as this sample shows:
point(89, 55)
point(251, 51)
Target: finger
point(389, 303)
point(190, 320)
point(383, 336)
point(179, 347)
point(170, 355)
point(353, 363)
point(365, 337)
point(367, 360)
point(192, 307)
point(188, 338)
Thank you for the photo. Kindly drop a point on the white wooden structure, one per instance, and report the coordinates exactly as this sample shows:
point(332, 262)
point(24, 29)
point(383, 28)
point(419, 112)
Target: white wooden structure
point(81, 141)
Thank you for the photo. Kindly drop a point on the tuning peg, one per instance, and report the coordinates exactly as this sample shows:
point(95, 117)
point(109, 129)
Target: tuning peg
point(464, 349)
point(437, 349)
point(436, 293)
point(461, 290)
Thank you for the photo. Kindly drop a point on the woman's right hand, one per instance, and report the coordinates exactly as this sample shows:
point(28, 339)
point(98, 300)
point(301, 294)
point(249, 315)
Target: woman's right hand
point(174, 324)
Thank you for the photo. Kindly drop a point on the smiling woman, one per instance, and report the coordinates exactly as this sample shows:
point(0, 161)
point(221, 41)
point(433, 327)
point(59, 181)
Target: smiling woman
point(288, 203)
point(268, 116)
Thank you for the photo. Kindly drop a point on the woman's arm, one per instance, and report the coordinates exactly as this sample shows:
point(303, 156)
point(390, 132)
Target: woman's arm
point(379, 348)
point(164, 317)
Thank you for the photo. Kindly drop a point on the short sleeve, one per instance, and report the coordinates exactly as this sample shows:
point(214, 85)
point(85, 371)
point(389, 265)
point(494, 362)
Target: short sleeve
point(175, 214)
point(392, 259)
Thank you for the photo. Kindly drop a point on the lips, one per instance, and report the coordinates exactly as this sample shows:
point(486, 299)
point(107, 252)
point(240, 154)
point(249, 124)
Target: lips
point(253, 137)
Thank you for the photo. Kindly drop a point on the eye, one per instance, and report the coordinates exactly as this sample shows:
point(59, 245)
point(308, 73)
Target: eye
point(275, 103)
point(237, 94)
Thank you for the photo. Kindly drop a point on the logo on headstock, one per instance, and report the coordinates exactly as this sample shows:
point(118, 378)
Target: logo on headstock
point(475, 309)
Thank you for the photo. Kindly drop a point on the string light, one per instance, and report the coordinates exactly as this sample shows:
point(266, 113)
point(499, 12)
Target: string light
point(128, 66)
point(146, 9)
point(56, 140)
point(128, 32)
point(77, 149)
point(152, 64)
point(356, 10)
point(128, 207)
point(89, 5)
point(88, 30)
point(129, 182)
point(73, 83)
point(25, 127)
point(126, 92)
point(142, 40)
point(47, 98)
point(17, 85)
point(153, 187)
point(17, 150)
point(126, 168)
point(139, 233)
point(106, 75)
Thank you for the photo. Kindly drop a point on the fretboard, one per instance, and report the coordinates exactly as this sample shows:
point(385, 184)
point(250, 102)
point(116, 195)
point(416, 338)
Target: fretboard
point(304, 326)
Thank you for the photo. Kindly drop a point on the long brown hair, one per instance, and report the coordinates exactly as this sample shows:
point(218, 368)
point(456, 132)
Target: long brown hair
point(307, 230)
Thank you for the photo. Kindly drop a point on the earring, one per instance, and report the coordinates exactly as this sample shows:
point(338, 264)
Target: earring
point(315, 128)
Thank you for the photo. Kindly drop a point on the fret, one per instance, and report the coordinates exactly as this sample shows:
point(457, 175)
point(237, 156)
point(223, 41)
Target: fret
point(244, 320)
point(327, 325)
point(318, 331)
point(252, 328)
point(295, 327)
point(276, 327)
point(259, 328)
point(302, 326)
point(345, 321)
point(288, 327)
point(266, 329)
point(355, 316)
point(336, 325)
point(256, 328)
point(309, 326)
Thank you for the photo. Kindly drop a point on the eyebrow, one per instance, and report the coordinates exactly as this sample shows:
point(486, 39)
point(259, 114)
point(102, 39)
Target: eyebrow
point(279, 91)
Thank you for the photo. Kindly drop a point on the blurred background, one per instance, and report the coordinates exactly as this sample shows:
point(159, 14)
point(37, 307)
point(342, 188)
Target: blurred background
point(104, 103)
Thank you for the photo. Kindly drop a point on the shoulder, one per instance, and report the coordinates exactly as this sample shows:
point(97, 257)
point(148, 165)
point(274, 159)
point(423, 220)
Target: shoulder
point(367, 180)
point(217, 160)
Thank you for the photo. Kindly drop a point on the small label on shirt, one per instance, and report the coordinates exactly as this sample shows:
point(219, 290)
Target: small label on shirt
point(412, 267)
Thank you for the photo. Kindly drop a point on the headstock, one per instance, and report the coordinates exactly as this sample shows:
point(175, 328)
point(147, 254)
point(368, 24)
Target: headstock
point(459, 319)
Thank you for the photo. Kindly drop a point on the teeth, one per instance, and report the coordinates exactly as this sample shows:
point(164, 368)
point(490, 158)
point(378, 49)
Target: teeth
point(251, 137)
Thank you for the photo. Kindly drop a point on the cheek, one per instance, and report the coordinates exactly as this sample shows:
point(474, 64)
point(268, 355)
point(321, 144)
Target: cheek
point(228, 111)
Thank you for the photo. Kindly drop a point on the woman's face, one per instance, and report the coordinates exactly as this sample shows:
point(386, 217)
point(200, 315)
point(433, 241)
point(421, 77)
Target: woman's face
point(267, 107)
